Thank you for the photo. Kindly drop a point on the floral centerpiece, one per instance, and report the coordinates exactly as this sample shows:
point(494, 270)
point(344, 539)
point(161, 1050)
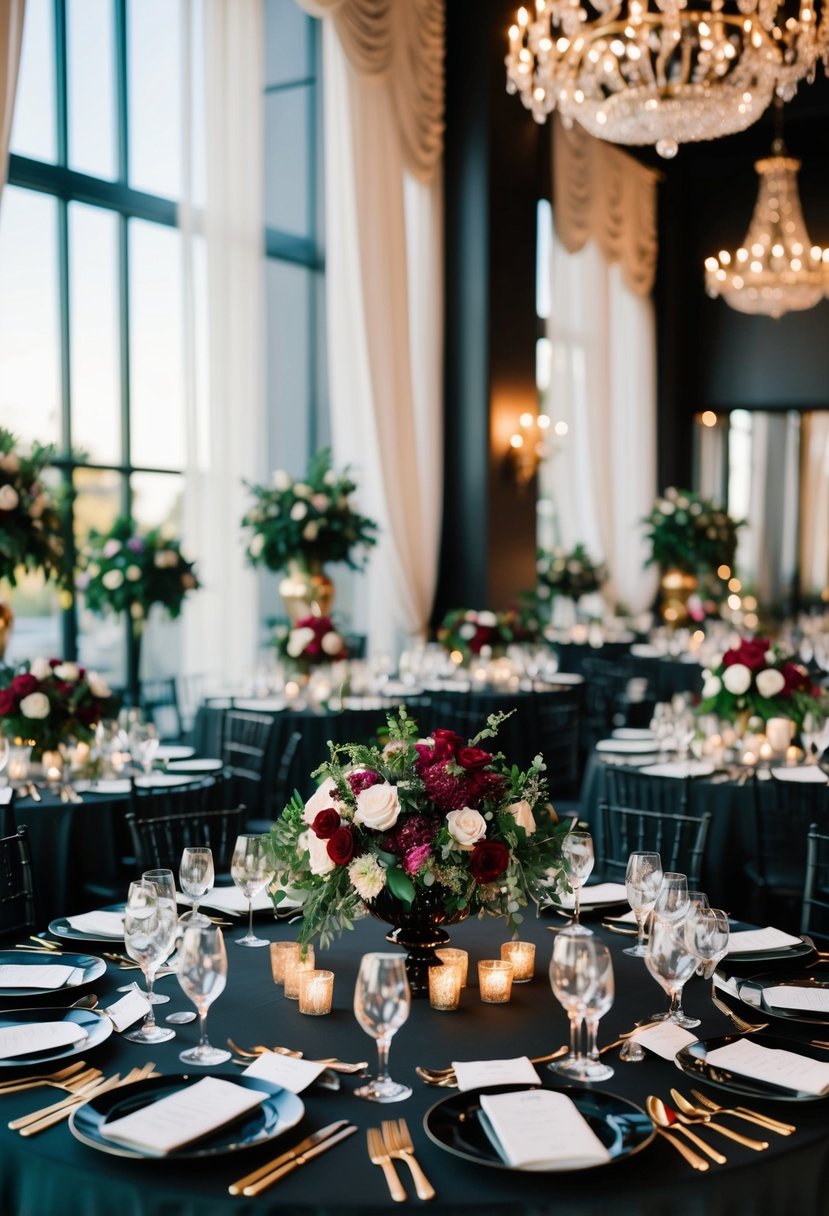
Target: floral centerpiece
point(470, 633)
point(437, 823)
point(126, 570)
point(756, 679)
point(691, 533)
point(570, 573)
point(50, 701)
point(312, 642)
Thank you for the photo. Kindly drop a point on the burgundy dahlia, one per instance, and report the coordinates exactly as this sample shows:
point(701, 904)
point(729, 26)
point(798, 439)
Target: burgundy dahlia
point(415, 858)
point(363, 780)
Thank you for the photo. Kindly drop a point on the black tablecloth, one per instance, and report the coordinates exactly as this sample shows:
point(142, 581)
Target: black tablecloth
point(52, 1173)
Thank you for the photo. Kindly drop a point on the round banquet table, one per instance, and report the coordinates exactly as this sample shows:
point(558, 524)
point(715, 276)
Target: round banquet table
point(53, 1173)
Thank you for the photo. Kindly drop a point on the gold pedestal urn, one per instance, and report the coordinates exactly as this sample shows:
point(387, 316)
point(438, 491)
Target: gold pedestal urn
point(306, 590)
point(6, 622)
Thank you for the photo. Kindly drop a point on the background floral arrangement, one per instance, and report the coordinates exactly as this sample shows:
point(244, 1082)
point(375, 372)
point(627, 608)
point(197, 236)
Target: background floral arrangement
point(439, 814)
point(467, 630)
point(311, 642)
point(756, 679)
point(570, 573)
point(691, 533)
point(51, 701)
point(124, 570)
point(310, 521)
point(30, 516)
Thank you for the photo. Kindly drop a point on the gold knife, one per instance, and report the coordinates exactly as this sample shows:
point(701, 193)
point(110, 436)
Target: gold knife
point(256, 1187)
point(236, 1188)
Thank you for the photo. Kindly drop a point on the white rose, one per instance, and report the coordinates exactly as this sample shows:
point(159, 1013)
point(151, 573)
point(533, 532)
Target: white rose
point(36, 705)
point(309, 532)
point(331, 642)
point(280, 480)
point(112, 580)
point(330, 478)
point(378, 807)
point(321, 799)
point(298, 511)
point(10, 462)
point(523, 814)
point(768, 657)
point(711, 687)
point(40, 668)
point(466, 827)
point(98, 685)
point(133, 573)
point(320, 502)
point(770, 682)
point(301, 490)
point(320, 862)
point(737, 679)
point(467, 631)
point(68, 671)
point(488, 619)
point(298, 639)
point(9, 498)
point(256, 545)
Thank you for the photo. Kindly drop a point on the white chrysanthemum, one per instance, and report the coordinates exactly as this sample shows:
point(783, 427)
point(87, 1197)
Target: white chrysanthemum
point(367, 876)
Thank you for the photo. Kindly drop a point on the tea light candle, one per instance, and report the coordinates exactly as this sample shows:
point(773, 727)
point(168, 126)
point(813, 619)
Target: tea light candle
point(52, 766)
point(316, 992)
point(18, 769)
point(495, 981)
point(295, 964)
point(749, 759)
point(793, 755)
point(458, 958)
point(766, 751)
point(280, 953)
point(779, 733)
point(522, 957)
point(445, 986)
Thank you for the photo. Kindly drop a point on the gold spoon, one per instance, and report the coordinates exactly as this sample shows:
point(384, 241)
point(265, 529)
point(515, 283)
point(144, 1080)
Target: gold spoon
point(668, 1120)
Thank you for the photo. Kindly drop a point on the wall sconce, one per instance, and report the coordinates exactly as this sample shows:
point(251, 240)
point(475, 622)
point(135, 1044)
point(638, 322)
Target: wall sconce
point(528, 446)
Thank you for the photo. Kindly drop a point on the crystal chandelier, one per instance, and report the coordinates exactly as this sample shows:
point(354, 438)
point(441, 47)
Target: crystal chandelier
point(777, 269)
point(657, 72)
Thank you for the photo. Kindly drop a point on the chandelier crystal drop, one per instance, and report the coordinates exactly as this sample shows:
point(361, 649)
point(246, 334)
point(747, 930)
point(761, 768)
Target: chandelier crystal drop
point(658, 72)
point(777, 269)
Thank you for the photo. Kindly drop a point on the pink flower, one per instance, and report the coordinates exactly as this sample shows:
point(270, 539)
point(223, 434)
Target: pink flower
point(415, 858)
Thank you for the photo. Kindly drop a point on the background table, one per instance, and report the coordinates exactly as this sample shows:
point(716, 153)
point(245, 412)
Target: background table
point(52, 1173)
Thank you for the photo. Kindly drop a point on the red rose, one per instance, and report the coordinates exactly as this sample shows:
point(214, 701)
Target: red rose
point(488, 861)
point(88, 715)
point(446, 743)
point(8, 702)
point(797, 679)
point(326, 823)
point(472, 757)
point(25, 684)
point(751, 653)
point(483, 637)
point(341, 846)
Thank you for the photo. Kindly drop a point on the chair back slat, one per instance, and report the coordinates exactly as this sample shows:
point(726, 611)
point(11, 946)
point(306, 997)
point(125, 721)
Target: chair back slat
point(815, 914)
point(159, 842)
point(17, 899)
point(679, 840)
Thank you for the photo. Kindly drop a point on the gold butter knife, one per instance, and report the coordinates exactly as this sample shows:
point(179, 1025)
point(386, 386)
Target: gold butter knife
point(282, 1172)
point(236, 1188)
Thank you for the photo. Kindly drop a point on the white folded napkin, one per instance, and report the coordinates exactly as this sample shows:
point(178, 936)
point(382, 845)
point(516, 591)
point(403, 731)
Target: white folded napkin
point(680, 768)
point(802, 997)
point(46, 976)
point(174, 751)
point(665, 1039)
point(231, 900)
point(537, 1129)
point(483, 1074)
point(6, 795)
point(184, 1116)
point(787, 1068)
point(593, 897)
point(758, 941)
point(628, 747)
point(36, 1037)
point(118, 785)
point(809, 774)
point(634, 732)
point(287, 1071)
point(104, 924)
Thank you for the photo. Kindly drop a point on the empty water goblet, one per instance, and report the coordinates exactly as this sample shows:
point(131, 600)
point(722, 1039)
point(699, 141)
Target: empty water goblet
point(577, 851)
point(574, 972)
point(643, 878)
point(671, 961)
point(382, 1001)
point(202, 974)
point(252, 868)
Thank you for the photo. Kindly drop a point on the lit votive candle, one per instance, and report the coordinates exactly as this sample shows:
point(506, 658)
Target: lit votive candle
point(522, 957)
point(495, 981)
point(766, 750)
point(749, 759)
point(295, 964)
point(280, 953)
point(445, 986)
point(316, 992)
point(793, 755)
point(52, 766)
point(779, 733)
point(459, 958)
point(18, 769)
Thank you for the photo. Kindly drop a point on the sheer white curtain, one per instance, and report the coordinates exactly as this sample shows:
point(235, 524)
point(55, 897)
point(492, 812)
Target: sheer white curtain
point(383, 99)
point(814, 499)
point(11, 38)
point(222, 223)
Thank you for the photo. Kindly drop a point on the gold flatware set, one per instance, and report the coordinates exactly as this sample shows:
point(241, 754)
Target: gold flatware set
point(393, 1142)
point(671, 1123)
point(39, 1120)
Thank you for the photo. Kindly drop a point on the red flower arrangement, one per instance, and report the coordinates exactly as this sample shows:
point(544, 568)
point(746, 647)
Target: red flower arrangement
point(756, 679)
point(312, 641)
point(50, 702)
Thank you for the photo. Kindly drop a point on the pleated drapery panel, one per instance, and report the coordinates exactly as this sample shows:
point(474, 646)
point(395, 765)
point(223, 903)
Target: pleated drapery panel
point(11, 40)
point(603, 195)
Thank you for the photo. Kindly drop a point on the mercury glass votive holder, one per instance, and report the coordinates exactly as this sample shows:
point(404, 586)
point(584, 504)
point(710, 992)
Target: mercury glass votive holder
point(280, 953)
point(458, 958)
point(522, 957)
point(445, 986)
point(316, 992)
point(294, 966)
point(495, 981)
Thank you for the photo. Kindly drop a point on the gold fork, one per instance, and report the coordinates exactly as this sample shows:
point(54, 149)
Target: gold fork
point(739, 1023)
point(378, 1156)
point(398, 1141)
point(41, 1078)
point(743, 1112)
point(136, 1074)
point(69, 1086)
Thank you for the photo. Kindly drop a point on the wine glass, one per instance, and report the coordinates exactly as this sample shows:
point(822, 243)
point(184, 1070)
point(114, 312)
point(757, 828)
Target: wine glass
point(202, 974)
point(672, 897)
point(596, 1006)
point(143, 740)
point(196, 873)
point(251, 868)
point(382, 1001)
point(671, 961)
point(643, 879)
point(573, 978)
point(149, 933)
point(711, 941)
point(165, 885)
point(577, 851)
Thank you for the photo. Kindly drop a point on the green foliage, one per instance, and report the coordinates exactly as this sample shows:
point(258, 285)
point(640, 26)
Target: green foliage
point(568, 573)
point(691, 533)
point(127, 570)
point(31, 514)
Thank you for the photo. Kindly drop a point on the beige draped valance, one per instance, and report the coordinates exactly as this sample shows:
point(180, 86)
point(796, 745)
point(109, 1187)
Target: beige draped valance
point(601, 194)
point(402, 43)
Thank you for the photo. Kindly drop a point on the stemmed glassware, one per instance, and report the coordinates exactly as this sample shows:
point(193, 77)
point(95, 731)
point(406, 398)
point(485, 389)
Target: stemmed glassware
point(672, 960)
point(643, 879)
point(4, 751)
point(149, 934)
point(202, 974)
point(710, 939)
point(596, 1006)
point(251, 868)
point(143, 741)
point(196, 873)
point(382, 1001)
point(577, 851)
point(672, 897)
point(574, 975)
